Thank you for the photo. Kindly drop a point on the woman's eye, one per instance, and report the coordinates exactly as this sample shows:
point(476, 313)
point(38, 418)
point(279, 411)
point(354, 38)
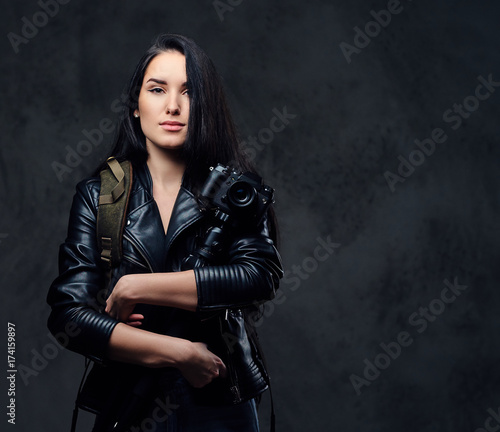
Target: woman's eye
point(156, 90)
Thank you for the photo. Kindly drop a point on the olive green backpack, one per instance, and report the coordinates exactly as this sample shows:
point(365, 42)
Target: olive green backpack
point(116, 184)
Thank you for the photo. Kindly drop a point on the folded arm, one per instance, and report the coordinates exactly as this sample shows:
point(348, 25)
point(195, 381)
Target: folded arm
point(250, 276)
point(77, 300)
point(132, 345)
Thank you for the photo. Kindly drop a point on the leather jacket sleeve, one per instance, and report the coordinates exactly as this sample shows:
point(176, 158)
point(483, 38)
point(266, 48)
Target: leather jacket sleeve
point(77, 296)
point(251, 275)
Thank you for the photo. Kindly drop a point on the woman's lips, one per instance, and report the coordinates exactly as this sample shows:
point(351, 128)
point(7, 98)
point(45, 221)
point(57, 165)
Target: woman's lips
point(172, 126)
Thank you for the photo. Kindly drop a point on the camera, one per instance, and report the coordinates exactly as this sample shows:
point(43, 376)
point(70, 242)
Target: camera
point(242, 196)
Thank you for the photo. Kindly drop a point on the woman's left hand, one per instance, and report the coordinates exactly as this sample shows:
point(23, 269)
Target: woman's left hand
point(122, 300)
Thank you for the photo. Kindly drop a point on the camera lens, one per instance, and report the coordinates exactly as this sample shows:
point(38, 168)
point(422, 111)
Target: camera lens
point(241, 194)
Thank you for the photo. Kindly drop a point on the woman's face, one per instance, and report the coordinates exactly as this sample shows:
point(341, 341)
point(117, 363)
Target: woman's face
point(163, 107)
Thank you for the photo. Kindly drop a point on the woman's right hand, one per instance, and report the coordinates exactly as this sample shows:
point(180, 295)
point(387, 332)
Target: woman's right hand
point(200, 365)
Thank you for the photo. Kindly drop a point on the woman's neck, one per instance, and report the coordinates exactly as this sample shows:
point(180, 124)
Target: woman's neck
point(166, 167)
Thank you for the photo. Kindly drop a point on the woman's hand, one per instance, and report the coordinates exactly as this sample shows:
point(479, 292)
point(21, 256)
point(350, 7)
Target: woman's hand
point(201, 366)
point(122, 300)
point(134, 320)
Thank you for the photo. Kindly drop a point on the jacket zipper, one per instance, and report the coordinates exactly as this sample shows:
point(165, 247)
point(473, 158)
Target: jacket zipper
point(135, 261)
point(140, 252)
point(184, 227)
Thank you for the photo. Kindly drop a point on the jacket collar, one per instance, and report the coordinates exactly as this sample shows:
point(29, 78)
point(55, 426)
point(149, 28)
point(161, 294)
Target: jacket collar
point(144, 225)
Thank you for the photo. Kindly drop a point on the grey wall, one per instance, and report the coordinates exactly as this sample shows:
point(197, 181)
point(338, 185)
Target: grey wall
point(390, 249)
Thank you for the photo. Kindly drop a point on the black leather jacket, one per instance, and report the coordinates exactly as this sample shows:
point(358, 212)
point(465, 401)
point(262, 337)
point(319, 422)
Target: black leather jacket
point(248, 272)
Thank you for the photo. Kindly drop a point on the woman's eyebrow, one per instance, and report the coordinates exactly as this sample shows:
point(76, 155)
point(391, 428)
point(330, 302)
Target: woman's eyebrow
point(156, 81)
point(159, 81)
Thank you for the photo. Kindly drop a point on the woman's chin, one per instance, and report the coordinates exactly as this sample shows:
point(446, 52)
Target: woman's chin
point(164, 147)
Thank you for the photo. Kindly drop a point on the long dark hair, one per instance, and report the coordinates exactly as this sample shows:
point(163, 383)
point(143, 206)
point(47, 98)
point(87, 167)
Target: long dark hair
point(211, 137)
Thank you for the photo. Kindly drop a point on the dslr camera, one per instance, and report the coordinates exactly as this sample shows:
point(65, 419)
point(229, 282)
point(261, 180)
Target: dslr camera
point(242, 196)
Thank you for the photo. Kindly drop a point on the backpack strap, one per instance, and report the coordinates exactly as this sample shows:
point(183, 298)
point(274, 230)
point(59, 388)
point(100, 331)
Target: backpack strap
point(116, 183)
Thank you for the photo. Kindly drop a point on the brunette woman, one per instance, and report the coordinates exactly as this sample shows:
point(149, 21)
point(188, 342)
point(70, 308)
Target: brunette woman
point(152, 338)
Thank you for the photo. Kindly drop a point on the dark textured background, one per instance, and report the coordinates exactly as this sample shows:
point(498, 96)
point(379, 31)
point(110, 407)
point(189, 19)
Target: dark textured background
point(352, 122)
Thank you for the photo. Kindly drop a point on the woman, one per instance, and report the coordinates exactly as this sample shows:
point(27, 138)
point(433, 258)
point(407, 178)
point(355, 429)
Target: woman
point(150, 337)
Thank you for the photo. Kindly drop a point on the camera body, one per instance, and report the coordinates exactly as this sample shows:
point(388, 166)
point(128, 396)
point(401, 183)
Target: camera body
point(242, 196)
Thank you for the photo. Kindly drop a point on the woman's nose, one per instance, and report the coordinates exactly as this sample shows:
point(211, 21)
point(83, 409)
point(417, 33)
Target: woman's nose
point(173, 105)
